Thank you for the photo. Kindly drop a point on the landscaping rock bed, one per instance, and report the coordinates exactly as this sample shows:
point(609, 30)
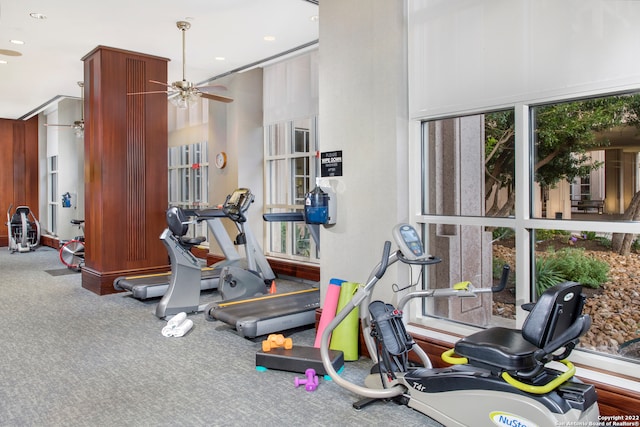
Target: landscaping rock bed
point(614, 307)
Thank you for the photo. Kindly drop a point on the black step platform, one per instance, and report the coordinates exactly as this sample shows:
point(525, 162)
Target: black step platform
point(298, 359)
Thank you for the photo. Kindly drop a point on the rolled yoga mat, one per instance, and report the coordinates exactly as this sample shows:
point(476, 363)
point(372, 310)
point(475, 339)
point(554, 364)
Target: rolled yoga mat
point(345, 335)
point(329, 309)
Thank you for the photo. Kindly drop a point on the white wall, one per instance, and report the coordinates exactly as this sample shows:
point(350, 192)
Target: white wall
point(63, 142)
point(363, 112)
point(291, 89)
point(466, 55)
point(236, 129)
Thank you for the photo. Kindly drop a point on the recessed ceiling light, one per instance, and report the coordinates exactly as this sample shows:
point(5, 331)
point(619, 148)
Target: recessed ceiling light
point(220, 58)
point(36, 15)
point(2, 61)
point(314, 18)
point(16, 41)
point(8, 52)
point(269, 38)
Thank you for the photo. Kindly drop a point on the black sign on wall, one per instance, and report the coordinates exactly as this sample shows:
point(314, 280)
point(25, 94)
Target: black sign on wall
point(331, 163)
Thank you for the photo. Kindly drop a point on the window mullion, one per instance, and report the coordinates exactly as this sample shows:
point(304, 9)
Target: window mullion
point(524, 249)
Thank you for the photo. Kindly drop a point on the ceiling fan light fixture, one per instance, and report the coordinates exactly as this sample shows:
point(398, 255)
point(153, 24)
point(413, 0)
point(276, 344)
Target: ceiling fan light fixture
point(184, 100)
point(183, 93)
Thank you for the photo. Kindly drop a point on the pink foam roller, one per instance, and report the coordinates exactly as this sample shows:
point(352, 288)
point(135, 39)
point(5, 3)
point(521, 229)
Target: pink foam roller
point(329, 308)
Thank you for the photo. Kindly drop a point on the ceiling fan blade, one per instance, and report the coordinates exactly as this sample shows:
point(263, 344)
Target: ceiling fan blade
point(207, 88)
point(147, 93)
point(160, 83)
point(216, 97)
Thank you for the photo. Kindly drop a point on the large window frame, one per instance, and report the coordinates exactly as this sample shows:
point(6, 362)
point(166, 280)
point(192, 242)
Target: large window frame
point(291, 169)
point(188, 183)
point(523, 222)
point(52, 194)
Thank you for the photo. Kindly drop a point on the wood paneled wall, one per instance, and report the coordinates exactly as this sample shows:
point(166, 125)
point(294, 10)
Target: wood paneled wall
point(125, 166)
point(19, 170)
point(279, 267)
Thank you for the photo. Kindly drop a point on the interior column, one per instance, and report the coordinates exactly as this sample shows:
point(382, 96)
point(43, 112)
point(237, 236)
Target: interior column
point(125, 166)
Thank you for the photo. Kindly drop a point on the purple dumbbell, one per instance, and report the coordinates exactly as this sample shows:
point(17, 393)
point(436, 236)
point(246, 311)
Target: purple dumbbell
point(310, 382)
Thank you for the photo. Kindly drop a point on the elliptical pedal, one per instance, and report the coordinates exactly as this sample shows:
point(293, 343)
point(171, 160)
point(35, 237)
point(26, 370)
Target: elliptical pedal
point(388, 328)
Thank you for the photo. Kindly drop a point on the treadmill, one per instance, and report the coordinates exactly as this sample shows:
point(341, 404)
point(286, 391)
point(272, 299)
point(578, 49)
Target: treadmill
point(148, 286)
point(267, 314)
point(155, 285)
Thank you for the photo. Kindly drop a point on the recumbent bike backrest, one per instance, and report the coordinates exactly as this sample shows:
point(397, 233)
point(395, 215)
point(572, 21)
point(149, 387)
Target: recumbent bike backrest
point(557, 309)
point(176, 221)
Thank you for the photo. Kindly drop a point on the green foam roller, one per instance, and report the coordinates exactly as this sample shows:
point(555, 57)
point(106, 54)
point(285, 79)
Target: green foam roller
point(345, 335)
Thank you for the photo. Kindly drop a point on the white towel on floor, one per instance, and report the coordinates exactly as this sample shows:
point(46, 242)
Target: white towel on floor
point(176, 320)
point(177, 326)
point(183, 328)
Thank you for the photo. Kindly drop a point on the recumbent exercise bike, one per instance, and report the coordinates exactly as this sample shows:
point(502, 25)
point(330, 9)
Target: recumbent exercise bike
point(498, 376)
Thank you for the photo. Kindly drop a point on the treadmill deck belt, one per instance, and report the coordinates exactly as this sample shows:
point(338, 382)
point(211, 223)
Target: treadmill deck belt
point(268, 313)
point(156, 285)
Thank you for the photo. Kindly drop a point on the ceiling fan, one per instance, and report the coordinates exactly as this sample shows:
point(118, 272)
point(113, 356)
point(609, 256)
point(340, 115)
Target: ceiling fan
point(183, 93)
point(78, 125)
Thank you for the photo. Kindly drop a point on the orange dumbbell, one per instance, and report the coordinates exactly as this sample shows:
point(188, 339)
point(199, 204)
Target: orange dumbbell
point(275, 341)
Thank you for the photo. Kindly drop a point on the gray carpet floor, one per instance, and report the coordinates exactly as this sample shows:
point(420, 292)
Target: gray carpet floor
point(69, 357)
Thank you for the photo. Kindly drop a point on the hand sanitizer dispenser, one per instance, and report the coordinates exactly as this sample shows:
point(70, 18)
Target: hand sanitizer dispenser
point(320, 206)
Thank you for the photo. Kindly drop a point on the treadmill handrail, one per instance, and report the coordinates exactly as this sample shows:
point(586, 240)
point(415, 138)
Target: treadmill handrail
point(210, 213)
point(283, 216)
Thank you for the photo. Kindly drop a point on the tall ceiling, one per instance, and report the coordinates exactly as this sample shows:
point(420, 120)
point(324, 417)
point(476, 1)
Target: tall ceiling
point(49, 64)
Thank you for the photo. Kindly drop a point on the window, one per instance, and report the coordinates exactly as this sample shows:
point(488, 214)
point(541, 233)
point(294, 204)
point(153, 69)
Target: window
point(469, 173)
point(290, 172)
point(558, 202)
point(189, 179)
point(52, 203)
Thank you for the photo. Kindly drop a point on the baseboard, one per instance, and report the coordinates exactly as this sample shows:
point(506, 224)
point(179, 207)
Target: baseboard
point(101, 283)
point(50, 241)
point(280, 267)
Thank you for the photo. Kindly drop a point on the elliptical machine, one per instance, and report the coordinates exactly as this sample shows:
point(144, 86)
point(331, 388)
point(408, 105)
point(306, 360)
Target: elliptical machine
point(183, 293)
point(498, 376)
point(235, 282)
point(24, 230)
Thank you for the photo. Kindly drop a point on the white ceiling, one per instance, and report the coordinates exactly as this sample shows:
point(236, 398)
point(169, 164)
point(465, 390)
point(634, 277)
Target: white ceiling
point(51, 65)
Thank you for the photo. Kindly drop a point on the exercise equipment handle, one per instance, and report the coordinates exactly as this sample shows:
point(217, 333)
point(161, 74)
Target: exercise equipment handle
point(428, 260)
point(385, 260)
point(503, 279)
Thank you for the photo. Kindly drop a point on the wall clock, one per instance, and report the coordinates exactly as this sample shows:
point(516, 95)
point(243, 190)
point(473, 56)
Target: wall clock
point(221, 160)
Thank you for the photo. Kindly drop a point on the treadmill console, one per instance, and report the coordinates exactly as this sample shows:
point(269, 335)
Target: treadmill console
point(409, 242)
point(237, 204)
